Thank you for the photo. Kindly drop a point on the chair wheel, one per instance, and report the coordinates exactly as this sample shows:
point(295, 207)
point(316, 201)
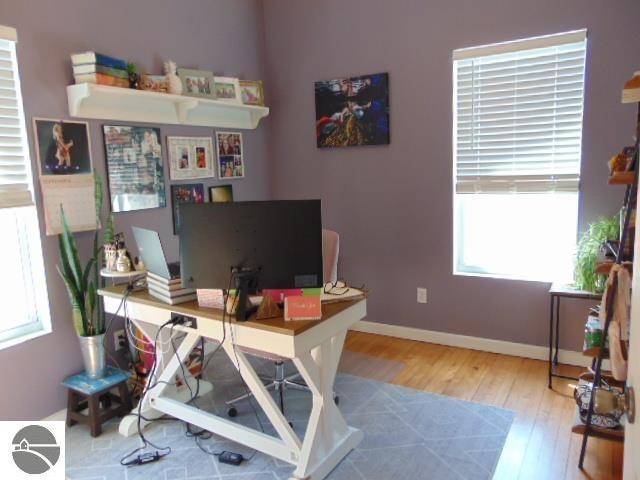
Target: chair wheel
point(336, 399)
point(232, 412)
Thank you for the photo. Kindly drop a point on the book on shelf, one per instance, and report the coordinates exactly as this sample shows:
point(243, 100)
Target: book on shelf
point(173, 301)
point(99, 58)
point(164, 280)
point(95, 68)
point(102, 79)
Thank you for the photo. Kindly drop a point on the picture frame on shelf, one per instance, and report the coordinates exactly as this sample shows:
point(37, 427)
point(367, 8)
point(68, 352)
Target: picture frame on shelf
point(154, 83)
point(230, 154)
point(190, 157)
point(221, 193)
point(184, 193)
point(227, 89)
point(252, 92)
point(197, 83)
point(134, 167)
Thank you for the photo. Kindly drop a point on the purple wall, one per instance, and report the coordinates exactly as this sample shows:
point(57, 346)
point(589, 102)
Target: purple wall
point(225, 36)
point(392, 205)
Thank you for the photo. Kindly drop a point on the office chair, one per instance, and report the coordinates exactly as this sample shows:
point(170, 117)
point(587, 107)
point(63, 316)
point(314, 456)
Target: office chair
point(279, 382)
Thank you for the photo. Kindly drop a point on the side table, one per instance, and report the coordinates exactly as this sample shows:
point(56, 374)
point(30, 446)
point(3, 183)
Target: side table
point(86, 392)
point(557, 291)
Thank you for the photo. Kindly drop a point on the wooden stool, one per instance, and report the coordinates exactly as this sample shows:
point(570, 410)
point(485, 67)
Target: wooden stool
point(85, 392)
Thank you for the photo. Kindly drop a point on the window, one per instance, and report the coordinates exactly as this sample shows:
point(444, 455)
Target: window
point(22, 285)
point(517, 127)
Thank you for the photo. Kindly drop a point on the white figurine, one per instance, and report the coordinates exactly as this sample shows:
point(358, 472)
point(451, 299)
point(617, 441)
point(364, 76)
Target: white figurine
point(170, 71)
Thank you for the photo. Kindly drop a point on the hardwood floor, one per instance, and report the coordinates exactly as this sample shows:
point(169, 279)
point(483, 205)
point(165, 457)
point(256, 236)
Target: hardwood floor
point(540, 444)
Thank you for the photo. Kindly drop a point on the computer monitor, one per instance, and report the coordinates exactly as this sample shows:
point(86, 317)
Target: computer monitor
point(268, 244)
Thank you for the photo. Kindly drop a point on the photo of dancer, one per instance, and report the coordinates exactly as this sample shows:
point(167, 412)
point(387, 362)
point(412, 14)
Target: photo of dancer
point(62, 147)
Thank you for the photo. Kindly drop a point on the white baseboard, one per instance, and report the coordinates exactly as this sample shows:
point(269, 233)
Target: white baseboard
point(60, 415)
point(474, 343)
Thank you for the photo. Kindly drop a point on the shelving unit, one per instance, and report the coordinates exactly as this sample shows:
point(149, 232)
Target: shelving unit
point(621, 178)
point(87, 100)
point(596, 376)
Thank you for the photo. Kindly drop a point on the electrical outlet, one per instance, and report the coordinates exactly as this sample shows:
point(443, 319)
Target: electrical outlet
point(422, 295)
point(119, 340)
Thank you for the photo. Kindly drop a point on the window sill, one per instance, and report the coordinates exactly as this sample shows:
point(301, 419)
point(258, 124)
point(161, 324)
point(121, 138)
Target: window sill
point(11, 342)
point(508, 277)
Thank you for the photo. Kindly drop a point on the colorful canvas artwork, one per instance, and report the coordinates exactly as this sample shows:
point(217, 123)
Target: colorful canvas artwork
point(352, 111)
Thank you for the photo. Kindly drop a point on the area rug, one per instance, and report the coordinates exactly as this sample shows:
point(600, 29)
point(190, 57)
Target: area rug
point(408, 434)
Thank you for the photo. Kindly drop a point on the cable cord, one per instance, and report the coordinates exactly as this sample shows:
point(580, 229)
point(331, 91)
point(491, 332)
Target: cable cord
point(141, 459)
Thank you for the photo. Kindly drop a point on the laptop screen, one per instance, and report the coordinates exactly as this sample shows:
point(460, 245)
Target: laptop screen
point(152, 254)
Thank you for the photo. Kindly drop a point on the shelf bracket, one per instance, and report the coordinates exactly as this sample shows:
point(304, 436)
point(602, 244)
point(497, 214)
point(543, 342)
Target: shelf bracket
point(182, 109)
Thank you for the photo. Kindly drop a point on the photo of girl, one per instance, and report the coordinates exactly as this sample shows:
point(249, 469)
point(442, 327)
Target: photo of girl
point(62, 147)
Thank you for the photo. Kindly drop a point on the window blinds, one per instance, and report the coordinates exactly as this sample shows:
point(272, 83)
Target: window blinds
point(14, 158)
point(518, 115)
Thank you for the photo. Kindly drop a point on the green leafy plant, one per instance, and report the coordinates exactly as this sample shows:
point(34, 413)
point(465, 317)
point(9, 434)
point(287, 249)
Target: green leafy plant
point(597, 233)
point(82, 281)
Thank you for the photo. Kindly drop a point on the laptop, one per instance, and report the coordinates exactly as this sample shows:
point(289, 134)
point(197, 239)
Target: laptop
point(152, 254)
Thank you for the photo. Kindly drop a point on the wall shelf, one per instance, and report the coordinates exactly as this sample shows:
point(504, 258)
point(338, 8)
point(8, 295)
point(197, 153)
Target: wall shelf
point(621, 178)
point(87, 100)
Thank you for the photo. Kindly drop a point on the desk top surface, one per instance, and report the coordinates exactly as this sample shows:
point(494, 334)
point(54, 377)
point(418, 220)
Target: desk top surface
point(564, 290)
point(278, 325)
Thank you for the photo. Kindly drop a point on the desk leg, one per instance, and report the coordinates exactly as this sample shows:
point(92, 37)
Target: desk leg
point(551, 340)
point(555, 357)
point(328, 438)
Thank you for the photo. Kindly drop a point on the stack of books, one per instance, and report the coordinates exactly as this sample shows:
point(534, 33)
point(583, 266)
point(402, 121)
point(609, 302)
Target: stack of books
point(92, 67)
point(169, 291)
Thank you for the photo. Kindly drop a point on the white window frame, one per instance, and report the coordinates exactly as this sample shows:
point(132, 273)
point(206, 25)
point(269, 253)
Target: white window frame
point(29, 237)
point(555, 184)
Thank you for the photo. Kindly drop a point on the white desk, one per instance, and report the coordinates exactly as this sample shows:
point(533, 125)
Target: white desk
point(315, 348)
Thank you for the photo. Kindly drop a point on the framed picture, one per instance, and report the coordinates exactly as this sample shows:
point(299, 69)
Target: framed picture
point(197, 83)
point(134, 167)
point(352, 111)
point(184, 193)
point(190, 157)
point(154, 83)
point(252, 92)
point(228, 89)
point(221, 194)
point(230, 154)
point(62, 147)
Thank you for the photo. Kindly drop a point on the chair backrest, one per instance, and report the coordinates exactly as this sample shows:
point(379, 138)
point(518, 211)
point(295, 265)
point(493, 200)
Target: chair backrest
point(330, 252)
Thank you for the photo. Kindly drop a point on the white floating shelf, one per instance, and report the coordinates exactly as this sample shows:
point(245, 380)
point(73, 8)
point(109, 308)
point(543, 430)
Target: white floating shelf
point(87, 100)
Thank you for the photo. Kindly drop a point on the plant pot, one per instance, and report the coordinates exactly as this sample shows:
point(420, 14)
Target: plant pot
point(93, 355)
point(110, 256)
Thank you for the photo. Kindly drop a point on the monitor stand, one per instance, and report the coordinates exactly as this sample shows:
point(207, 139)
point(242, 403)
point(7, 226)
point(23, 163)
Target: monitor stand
point(244, 279)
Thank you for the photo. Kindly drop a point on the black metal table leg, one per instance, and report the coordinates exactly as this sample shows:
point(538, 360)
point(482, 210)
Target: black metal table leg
point(555, 357)
point(551, 340)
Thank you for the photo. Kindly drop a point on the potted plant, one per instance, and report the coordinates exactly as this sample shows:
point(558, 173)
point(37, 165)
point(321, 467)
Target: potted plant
point(598, 233)
point(82, 286)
